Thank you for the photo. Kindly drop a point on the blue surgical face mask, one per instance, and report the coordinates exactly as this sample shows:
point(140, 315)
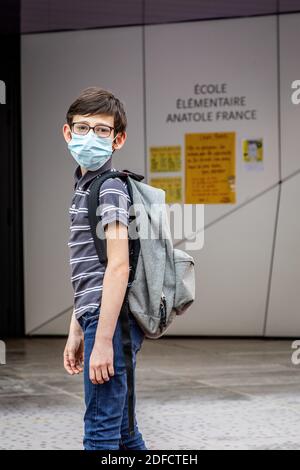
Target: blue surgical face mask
point(90, 151)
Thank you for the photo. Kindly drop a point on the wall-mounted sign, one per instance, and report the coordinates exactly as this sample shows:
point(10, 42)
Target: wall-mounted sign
point(165, 159)
point(210, 168)
point(253, 154)
point(172, 186)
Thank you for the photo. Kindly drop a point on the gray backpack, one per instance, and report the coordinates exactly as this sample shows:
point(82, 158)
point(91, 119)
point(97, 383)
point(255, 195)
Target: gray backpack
point(162, 278)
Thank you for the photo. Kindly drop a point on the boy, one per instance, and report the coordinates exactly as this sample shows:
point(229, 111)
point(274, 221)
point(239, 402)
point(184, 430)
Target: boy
point(95, 128)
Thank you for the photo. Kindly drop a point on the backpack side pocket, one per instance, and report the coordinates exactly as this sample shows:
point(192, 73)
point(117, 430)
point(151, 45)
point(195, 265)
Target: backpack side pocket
point(184, 266)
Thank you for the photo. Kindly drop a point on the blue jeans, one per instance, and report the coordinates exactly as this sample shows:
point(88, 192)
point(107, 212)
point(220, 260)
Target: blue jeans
point(106, 415)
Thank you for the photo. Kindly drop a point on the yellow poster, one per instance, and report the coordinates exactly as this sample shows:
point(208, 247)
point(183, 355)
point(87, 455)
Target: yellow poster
point(172, 186)
point(253, 154)
point(165, 159)
point(210, 168)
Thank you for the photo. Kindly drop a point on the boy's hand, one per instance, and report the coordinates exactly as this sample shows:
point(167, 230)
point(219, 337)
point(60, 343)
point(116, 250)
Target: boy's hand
point(101, 361)
point(73, 353)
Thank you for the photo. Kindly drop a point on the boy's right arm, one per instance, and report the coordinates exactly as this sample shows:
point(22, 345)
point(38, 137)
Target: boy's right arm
point(73, 353)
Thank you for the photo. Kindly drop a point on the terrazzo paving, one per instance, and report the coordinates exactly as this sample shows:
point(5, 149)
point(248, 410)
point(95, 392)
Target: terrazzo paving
point(191, 394)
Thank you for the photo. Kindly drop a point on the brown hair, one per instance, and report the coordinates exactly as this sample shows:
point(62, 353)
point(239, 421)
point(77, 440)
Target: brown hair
point(95, 100)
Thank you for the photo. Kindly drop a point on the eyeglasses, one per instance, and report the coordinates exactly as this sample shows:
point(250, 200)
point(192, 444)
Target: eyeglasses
point(100, 130)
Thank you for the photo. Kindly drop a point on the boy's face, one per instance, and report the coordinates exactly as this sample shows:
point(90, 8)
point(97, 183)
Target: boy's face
point(92, 121)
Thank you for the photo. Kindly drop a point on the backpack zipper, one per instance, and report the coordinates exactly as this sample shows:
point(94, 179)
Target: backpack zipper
point(163, 312)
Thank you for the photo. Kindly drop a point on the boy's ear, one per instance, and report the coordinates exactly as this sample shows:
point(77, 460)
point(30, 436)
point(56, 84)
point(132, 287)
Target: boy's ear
point(120, 140)
point(67, 132)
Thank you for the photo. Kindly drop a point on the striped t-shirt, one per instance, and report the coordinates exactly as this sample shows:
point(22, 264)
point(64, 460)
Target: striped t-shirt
point(86, 271)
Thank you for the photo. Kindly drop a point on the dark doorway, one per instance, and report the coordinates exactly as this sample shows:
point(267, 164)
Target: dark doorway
point(11, 238)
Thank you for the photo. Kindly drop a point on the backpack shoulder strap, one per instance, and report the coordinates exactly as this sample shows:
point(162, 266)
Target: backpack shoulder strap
point(93, 202)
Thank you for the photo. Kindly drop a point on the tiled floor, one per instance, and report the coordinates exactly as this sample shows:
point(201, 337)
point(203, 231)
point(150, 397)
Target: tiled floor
point(191, 394)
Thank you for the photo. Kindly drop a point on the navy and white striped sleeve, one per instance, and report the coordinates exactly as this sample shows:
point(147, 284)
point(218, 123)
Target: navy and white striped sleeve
point(114, 202)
